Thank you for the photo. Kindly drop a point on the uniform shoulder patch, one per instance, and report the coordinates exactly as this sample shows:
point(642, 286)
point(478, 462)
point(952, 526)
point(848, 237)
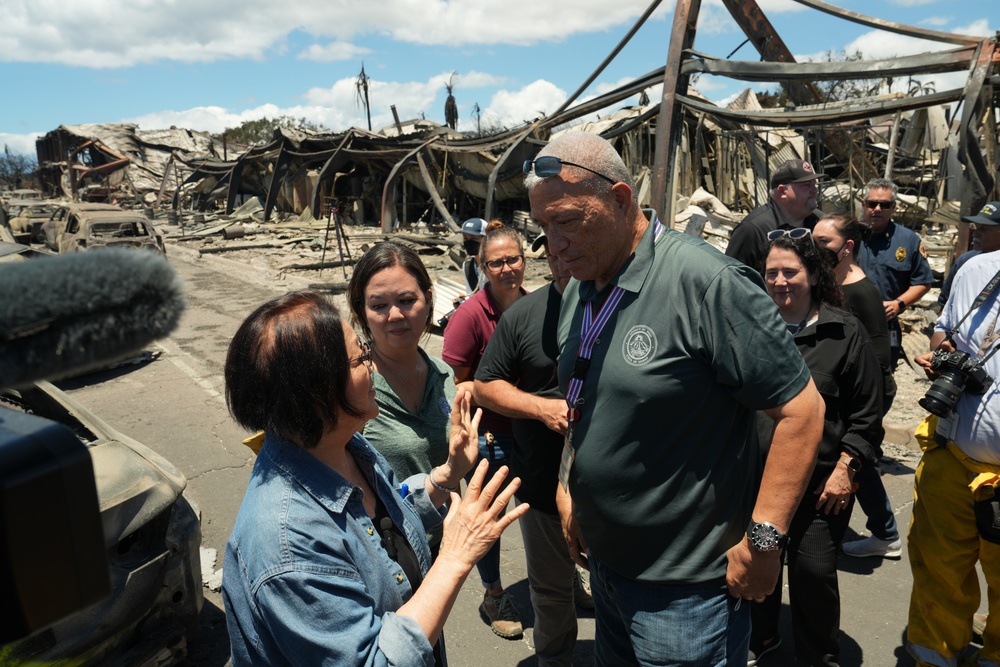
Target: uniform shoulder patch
point(923, 250)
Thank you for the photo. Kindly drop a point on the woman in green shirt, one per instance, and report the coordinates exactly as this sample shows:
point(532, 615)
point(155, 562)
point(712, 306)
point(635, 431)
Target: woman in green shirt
point(392, 304)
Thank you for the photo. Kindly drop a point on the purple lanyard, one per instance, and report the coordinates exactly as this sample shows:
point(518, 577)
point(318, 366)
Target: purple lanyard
point(589, 331)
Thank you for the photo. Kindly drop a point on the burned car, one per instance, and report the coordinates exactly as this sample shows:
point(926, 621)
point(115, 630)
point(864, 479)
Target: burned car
point(76, 227)
point(151, 538)
point(26, 216)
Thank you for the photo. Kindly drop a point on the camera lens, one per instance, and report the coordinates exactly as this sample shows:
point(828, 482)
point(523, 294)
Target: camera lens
point(940, 399)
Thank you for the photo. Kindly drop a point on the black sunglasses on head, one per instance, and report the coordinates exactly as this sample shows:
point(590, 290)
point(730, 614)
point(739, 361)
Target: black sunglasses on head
point(550, 165)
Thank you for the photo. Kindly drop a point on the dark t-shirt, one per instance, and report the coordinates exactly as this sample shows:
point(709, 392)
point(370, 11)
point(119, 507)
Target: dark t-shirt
point(748, 242)
point(865, 303)
point(667, 460)
point(523, 351)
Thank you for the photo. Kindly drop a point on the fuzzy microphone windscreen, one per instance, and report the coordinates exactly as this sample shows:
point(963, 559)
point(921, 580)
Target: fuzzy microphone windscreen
point(72, 313)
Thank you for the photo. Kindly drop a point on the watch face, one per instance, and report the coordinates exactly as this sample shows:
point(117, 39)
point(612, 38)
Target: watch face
point(765, 537)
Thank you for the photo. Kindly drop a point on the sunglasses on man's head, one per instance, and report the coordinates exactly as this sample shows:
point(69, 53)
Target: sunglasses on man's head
point(873, 203)
point(797, 233)
point(513, 262)
point(550, 165)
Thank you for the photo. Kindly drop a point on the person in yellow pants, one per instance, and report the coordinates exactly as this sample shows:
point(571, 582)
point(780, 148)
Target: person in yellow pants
point(944, 546)
point(956, 511)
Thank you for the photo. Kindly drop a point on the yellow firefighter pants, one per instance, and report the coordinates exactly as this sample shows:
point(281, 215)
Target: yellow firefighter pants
point(944, 545)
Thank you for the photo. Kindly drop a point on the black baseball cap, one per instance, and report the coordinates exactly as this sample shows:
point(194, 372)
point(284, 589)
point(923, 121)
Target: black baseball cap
point(793, 171)
point(990, 215)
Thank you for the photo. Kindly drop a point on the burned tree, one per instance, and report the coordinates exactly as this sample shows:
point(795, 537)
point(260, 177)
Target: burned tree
point(450, 107)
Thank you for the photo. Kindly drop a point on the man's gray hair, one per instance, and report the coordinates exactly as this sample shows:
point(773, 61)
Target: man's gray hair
point(881, 184)
point(593, 152)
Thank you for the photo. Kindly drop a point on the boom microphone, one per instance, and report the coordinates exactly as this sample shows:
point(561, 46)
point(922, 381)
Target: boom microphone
point(73, 313)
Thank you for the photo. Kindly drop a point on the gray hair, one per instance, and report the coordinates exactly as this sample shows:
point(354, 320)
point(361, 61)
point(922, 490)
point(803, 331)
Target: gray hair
point(881, 184)
point(593, 152)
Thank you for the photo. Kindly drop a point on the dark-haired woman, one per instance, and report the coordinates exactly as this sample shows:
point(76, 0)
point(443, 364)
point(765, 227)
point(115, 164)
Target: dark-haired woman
point(843, 235)
point(469, 329)
point(846, 372)
point(328, 562)
point(392, 304)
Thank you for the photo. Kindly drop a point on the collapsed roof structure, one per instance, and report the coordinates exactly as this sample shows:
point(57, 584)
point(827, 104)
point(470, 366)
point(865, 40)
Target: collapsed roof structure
point(676, 147)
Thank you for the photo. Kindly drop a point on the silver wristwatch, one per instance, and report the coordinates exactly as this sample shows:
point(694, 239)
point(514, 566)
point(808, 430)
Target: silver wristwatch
point(764, 536)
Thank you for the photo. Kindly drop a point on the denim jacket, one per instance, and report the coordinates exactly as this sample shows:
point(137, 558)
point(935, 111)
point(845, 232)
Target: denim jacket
point(306, 580)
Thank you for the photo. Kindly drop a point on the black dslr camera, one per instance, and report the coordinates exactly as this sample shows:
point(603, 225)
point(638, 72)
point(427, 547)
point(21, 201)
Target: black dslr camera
point(957, 372)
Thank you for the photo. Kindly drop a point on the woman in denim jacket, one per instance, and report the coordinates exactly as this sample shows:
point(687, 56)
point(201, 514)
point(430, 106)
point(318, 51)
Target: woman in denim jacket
point(328, 561)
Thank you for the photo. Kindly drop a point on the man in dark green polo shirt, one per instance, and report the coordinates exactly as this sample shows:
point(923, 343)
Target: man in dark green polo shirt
point(669, 348)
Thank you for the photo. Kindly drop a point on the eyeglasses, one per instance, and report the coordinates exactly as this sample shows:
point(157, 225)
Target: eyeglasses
point(366, 355)
point(797, 233)
point(513, 262)
point(550, 165)
point(875, 203)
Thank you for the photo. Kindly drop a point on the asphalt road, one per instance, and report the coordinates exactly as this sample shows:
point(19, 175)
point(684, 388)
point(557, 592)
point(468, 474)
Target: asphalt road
point(175, 404)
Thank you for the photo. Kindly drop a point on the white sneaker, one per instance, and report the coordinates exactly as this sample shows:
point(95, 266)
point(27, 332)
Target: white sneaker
point(873, 546)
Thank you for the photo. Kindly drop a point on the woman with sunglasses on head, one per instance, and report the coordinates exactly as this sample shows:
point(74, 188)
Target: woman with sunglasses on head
point(392, 304)
point(328, 562)
point(845, 369)
point(469, 329)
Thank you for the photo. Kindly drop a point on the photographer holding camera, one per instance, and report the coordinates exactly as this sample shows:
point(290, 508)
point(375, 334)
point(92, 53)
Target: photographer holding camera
point(956, 511)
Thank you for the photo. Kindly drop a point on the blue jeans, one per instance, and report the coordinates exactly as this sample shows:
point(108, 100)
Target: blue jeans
point(497, 454)
point(875, 504)
point(641, 623)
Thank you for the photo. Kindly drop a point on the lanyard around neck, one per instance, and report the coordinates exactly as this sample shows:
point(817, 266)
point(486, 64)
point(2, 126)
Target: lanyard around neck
point(591, 329)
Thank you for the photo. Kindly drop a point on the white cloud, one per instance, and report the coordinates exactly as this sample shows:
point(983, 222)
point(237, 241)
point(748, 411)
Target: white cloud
point(608, 86)
point(20, 144)
point(936, 21)
point(979, 28)
point(333, 51)
point(147, 31)
point(511, 108)
point(338, 108)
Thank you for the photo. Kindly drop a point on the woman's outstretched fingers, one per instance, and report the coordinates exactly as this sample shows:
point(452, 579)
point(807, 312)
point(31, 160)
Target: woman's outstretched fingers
point(475, 485)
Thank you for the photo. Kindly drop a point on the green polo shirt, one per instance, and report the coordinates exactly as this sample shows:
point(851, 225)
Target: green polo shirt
point(667, 461)
point(414, 443)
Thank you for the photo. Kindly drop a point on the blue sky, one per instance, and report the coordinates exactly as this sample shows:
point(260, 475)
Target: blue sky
point(211, 65)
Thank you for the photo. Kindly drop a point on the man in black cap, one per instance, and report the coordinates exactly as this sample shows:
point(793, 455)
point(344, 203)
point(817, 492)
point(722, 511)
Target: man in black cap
point(985, 238)
point(792, 203)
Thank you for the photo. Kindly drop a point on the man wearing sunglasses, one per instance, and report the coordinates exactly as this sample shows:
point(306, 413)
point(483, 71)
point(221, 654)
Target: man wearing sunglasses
point(668, 349)
point(791, 204)
point(893, 257)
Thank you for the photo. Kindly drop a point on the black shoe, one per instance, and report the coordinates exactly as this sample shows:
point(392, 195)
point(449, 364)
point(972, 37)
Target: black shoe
point(759, 650)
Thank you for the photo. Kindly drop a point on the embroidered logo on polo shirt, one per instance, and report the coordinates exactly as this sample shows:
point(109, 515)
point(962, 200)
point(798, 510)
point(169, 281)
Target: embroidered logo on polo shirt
point(445, 406)
point(639, 346)
point(900, 254)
